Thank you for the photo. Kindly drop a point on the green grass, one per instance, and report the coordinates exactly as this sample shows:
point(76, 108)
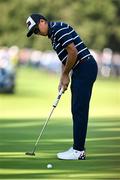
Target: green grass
point(23, 114)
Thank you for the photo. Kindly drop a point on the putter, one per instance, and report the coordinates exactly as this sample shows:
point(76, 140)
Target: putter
point(32, 153)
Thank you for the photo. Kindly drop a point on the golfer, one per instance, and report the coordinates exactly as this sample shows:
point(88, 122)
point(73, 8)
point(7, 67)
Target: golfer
point(75, 58)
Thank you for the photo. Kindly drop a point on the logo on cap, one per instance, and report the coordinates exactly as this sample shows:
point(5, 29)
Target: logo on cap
point(28, 23)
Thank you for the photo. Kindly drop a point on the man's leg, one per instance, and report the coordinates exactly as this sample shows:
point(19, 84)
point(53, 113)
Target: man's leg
point(81, 95)
point(81, 89)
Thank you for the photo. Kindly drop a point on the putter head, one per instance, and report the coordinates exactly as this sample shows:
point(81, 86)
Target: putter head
point(30, 153)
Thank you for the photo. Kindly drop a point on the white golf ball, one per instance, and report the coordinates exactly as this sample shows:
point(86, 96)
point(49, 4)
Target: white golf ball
point(49, 166)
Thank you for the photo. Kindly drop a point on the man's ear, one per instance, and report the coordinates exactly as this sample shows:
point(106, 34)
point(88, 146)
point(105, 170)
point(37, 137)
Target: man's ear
point(42, 20)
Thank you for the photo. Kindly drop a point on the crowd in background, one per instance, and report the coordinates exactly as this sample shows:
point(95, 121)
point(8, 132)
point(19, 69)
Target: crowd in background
point(108, 61)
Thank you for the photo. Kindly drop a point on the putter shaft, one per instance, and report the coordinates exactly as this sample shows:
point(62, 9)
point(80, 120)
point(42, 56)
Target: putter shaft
point(45, 124)
point(41, 132)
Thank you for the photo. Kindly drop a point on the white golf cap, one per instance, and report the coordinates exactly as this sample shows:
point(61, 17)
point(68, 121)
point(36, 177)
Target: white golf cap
point(32, 21)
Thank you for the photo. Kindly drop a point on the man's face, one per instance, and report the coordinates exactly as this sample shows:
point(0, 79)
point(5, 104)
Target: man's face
point(41, 28)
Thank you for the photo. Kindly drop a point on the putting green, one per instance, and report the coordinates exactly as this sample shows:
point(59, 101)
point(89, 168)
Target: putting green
point(23, 114)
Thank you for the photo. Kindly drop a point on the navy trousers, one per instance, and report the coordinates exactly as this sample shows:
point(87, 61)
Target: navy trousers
point(82, 80)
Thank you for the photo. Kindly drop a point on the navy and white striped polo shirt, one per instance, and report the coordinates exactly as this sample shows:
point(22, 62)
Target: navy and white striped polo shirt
point(61, 35)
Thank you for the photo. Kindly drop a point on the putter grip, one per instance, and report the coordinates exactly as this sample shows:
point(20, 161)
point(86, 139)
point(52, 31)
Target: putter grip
point(58, 98)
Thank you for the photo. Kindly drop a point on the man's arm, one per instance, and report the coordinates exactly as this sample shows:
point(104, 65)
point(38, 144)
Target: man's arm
point(71, 59)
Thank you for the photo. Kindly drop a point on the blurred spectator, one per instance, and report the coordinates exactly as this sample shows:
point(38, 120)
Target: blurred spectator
point(24, 56)
point(7, 73)
point(13, 55)
point(106, 62)
point(116, 64)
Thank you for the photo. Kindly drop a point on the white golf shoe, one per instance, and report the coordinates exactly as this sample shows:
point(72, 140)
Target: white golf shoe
point(72, 154)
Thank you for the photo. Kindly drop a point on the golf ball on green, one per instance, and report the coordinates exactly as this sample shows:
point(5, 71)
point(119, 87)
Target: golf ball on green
point(49, 166)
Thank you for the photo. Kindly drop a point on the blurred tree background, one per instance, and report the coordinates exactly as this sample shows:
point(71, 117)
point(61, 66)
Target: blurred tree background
point(97, 21)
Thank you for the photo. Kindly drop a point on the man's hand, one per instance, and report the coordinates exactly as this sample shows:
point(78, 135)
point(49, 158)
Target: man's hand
point(64, 82)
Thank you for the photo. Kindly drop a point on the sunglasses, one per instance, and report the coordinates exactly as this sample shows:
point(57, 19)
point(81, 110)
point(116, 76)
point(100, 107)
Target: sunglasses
point(36, 30)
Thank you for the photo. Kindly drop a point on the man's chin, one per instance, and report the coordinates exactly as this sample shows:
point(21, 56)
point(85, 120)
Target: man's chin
point(42, 34)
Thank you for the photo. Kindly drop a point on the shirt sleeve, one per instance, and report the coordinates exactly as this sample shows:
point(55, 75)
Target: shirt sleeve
point(64, 36)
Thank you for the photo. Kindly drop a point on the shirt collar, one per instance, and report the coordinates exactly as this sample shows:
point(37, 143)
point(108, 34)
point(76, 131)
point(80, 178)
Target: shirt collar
point(50, 29)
